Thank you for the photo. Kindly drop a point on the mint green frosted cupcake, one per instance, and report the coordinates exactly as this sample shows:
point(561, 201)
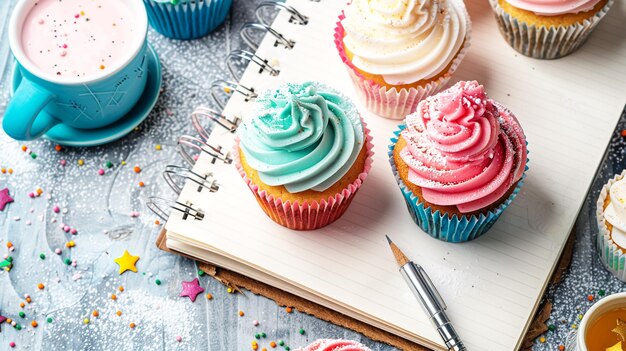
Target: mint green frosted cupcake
point(304, 153)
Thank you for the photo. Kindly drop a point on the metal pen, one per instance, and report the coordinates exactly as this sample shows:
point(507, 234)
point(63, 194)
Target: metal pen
point(423, 288)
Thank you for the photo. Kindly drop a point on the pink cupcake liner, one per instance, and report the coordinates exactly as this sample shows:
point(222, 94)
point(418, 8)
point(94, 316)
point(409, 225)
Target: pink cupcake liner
point(310, 215)
point(393, 103)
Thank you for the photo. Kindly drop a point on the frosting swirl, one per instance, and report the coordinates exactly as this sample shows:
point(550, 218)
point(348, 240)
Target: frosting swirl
point(335, 345)
point(463, 149)
point(615, 212)
point(554, 7)
point(404, 40)
point(303, 136)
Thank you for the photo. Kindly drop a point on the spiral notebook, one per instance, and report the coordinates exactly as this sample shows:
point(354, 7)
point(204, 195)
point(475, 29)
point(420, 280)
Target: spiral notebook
point(568, 108)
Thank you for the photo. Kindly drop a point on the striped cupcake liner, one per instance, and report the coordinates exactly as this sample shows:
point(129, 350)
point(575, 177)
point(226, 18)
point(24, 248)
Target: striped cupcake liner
point(454, 229)
point(545, 42)
point(310, 215)
point(393, 103)
point(610, 254)
point(189, 19)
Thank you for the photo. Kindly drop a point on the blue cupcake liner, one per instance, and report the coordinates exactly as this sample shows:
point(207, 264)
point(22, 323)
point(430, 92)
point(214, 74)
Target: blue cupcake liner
point(189, 19)
point(439, 225)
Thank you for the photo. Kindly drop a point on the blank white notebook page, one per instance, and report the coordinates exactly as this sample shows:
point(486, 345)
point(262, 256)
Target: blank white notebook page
point(568, 109)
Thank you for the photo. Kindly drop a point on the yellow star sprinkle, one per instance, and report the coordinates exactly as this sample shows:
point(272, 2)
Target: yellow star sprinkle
point(620, 329)
point(127, 262)
point(616, 347)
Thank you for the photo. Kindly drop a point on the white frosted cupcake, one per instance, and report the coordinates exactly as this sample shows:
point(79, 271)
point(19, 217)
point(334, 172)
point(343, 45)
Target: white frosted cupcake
point(611, 217)
point(399, 53)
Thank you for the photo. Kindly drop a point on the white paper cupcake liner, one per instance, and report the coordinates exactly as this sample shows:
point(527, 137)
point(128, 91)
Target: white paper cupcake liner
point(393, 103)
point(545, 42)
point(610, 254)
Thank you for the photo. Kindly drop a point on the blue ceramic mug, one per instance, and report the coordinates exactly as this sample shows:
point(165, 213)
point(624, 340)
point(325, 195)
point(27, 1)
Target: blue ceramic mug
point(43, 100)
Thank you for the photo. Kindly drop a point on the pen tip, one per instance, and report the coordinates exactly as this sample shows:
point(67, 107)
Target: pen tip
point(388, 239)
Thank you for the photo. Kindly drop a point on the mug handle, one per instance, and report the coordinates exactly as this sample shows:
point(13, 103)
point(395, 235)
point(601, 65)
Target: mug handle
point(23, 119)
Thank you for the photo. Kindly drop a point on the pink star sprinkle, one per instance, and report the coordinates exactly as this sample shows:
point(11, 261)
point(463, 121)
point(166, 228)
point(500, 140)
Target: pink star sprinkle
point(192, 289)
point(4, 198)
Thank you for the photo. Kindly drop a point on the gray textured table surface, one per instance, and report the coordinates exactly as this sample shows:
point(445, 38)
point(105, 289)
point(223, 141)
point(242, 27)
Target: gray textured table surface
point(99, 208)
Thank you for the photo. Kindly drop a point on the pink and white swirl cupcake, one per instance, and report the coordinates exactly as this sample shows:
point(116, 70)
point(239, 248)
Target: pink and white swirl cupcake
point(335, 345)
point(459, 161)
point(548, 29)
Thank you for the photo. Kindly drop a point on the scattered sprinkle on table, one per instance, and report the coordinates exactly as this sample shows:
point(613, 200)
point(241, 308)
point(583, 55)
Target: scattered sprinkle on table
point(42, 256)
point(12, 344)
point(281, 343)
point(142, 184)
point(127, 262)
point(34, 324)
point(86, 321)
point(288, 310)
point(209, 297)
point(158, 147)
point(49, 320)
point(191, 289)
point(255, 323)
point(132, 325)
point(158, 282)
point(109, 164)
point(241, 314)
point(179, 338)
point(272, 344)
point(95, 313)
point(118, 313)
point(301, 331)
point(40, 286)
point(5, 198)
point(22, 314)
point(101, 171)
point(121, 288)
point(137, 169)
point(81, 162)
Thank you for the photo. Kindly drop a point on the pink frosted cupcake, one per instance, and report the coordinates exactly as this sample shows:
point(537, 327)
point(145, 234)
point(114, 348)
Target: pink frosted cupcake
point(304, 154)
point(459, 161)
point(335, 345)
point(399, 54)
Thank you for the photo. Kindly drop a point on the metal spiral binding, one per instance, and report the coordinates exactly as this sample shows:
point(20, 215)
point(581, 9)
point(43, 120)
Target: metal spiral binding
point(218, 118)
point(296, 16)
point(204, 182)
point(216, 152)
point(228, 87)
point(158, 205)
point(247, 55)
point(280, 39)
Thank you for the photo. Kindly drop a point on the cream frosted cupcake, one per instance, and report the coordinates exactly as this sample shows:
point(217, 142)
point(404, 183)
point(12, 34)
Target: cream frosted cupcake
point(398, 52)
point(548, 29)
point(304, 154)
point(335, 345)
point(459, 161)
point(611, 217)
